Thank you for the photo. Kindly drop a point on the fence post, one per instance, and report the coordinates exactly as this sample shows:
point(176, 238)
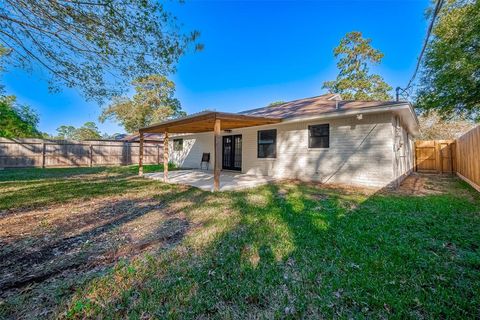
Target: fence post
point(451, 158)
point(43, 154)
point(158, 153)
point(91, 155)
point(415, 161)
point(129, 153)
point(140, 155)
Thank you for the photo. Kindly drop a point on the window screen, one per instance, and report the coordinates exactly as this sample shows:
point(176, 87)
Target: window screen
point(319, 136)
point(178, 144)
point(267, 143)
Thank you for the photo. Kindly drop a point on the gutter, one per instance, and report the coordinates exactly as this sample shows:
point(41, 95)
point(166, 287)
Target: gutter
point(345, 113)
point(341, 113)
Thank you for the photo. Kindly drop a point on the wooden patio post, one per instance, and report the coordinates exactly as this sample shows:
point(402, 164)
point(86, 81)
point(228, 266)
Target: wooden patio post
point(165, 157)
point(140, 156)
point(217, 155)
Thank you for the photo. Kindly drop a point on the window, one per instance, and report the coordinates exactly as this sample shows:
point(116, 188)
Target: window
point(177, 144)
point(319, 136)
point(267, 144)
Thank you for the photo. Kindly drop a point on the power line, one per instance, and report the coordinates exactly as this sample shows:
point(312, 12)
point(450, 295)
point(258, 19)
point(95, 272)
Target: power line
point(438, 6)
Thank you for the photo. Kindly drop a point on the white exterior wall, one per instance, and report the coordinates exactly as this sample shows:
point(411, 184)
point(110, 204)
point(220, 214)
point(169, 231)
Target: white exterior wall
point(361, 151)
point(403, 150)
point(193, 147)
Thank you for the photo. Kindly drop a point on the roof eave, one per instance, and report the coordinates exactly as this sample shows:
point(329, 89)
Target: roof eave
point(401, 106)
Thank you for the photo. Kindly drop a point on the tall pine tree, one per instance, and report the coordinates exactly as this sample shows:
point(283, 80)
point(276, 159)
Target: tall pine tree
point(354, 81)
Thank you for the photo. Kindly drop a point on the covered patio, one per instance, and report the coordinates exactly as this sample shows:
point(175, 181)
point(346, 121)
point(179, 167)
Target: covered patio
point(203, 179)
point(207, 121)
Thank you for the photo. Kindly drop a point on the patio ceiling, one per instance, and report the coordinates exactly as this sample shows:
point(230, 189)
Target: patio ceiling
point(205, 121)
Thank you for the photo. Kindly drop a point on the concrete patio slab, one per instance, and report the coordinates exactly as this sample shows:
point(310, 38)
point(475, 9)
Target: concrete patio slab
point(204, 179)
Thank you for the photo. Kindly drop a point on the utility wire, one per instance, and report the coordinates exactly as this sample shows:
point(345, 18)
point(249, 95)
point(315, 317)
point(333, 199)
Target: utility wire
point(438, 6)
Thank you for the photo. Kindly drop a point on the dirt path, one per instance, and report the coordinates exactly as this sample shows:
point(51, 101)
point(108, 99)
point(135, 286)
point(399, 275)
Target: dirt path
point(421, 184)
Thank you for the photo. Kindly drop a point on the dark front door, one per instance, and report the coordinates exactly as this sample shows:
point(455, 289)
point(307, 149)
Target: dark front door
point(232, 152)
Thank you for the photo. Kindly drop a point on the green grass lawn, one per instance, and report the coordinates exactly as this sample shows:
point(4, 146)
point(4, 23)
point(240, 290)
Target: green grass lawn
point(285, 250)
point(34, 187)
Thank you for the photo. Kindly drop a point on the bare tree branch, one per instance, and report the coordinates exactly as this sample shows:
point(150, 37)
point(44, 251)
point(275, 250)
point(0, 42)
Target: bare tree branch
point(97, 46)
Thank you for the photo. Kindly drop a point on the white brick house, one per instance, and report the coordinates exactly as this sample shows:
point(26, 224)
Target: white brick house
point(315, 139)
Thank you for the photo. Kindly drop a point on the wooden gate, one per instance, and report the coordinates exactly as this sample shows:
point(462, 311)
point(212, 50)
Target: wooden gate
point(435, 156)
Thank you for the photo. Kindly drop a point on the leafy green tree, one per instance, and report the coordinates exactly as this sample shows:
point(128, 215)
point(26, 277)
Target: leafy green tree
point(97, 46)
point(354, 81)
point(152, 102)
point(450, 81)
point(46, 135)
point(17, 121)
point(66, 132)
point(89, 131)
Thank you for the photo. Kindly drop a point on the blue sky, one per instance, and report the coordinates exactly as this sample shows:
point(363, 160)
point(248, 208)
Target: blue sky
point(255, 53)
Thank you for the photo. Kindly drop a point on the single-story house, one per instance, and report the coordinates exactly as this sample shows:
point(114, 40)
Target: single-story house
point(323, 138)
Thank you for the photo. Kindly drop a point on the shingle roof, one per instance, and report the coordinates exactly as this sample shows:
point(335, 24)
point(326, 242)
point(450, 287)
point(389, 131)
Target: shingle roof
point(314, 106)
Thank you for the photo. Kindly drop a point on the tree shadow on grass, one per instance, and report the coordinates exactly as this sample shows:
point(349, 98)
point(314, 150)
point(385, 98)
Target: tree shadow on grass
point(297, 250)
point(244, 272)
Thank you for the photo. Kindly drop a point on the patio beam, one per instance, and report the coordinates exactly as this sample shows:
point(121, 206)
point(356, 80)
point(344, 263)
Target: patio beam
point(165, 157)
point(205, 121)
point(217, 158)
point(140, 155)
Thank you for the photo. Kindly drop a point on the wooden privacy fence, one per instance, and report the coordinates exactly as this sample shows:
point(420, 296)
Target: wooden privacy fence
point(468, 157)
point(461, 156)
point(435, 156)
point(18, 153)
